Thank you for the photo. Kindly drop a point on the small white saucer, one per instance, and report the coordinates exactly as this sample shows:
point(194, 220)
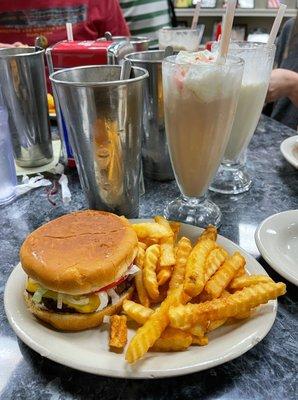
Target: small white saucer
point(289, 149)
point(277, 241)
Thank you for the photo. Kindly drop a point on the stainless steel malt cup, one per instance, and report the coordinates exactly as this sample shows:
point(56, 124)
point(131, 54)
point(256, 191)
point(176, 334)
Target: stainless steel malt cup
point(139, 43)
point(103, 116)
point(23, 83)
point(156, 159)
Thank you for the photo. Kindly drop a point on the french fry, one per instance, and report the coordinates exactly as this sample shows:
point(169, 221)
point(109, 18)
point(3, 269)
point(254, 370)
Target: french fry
point(241, 271)
point(149, 270)
point(165, 223)
point(184, 317)
point(151, 230)
point(201, 341)
point(241, 282)
point(136, 311)
point(198, 329)
point(118, 331)
point(142, 245)
point(182, 254)
point(214, 260)
point(141, 290)
point(147, 334)
point(175, 226)
point(209, 233)
point(216, 324)
point(163, 276)
point(195, 267)
point(243, 315)
point(173, 340)
point(220, 280)
point(167, 257)
point(140, 256)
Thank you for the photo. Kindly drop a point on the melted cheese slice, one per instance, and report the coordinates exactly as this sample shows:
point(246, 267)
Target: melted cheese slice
point(68, 300)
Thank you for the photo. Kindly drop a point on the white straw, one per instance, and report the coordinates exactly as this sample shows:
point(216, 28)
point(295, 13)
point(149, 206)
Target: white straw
point(276, 24)
point(226, 31)
point(69, 32)
point(195, 17)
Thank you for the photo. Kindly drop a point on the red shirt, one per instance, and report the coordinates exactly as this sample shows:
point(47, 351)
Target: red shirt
point(23, 20)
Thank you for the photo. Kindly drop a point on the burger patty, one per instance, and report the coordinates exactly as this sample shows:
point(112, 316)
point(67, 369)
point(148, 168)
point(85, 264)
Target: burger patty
point(51, 304)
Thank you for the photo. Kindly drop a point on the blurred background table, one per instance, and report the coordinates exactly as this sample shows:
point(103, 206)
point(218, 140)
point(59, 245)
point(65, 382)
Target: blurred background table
point(268, 371)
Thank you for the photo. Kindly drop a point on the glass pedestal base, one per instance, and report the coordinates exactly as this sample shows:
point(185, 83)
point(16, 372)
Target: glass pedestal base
point(200, 212)
point(231, 179)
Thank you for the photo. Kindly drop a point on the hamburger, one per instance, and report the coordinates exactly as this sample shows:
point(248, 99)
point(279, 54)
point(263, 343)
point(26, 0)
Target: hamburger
point(80, 268)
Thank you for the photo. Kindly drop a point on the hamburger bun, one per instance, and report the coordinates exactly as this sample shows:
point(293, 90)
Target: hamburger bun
point(74, 321)
point(79, 253)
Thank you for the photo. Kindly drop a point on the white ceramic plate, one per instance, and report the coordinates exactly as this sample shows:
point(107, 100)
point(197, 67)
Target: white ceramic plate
point(277, 241)
point(88, 351)
point(289, 149)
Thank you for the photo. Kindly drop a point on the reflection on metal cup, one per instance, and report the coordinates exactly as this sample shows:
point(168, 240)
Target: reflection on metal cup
point(139, 43)
point(23, 84)
point(103, 116)
point(156, 159)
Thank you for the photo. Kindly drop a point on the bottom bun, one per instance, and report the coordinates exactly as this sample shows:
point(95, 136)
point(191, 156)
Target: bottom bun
point(75, 321)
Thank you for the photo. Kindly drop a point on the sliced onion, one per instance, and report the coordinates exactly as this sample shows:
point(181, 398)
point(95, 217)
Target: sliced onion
point(114, 296)
point(82, 301)
point(134, 269)
point(59, 301)
point(37, 297)
point(104, 300)
point(106, 319)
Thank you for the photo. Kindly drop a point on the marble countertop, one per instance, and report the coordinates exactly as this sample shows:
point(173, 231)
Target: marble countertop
point(268, 371)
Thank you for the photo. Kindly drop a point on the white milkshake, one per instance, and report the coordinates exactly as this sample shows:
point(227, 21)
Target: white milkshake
point(250, 104)
point(200, 99)
point(232, 177)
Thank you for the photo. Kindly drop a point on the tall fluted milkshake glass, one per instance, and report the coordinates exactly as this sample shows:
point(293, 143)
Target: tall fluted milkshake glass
point(200, 99)
point(232, 176)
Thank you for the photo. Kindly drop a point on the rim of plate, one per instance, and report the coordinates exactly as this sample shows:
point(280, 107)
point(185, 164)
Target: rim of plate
point(263, 249)
point(284, 148)
point(132, 373)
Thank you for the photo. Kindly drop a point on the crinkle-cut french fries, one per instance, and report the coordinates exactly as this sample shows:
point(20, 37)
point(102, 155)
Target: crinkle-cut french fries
point(173, 340)
point(118, 331)
point(136, 311)
point(223, 276)
point(209, 233)
point(191, 290)
point(195, 267)
point(214, 260)
point(147, 334)
point(183, 317)
point(151, 230)
point(149, 270)
point(163, 276)
point(183, 251)
point(241, 282)
point(200, 341)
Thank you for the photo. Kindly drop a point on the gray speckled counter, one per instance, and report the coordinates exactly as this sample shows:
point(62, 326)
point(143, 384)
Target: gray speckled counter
point(268, 371)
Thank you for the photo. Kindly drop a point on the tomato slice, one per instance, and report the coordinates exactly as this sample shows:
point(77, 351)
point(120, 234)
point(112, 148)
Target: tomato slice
point(112, 285)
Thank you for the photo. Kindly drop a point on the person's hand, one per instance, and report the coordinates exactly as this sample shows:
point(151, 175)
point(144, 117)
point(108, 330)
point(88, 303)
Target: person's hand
point(281, 84)
point(16, 44)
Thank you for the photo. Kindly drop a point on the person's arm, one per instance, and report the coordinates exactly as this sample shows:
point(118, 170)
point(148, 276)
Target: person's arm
point(8, 45)
point(283, 83)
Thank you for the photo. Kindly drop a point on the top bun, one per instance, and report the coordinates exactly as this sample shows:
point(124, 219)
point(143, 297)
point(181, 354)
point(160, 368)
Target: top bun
point(80, 252)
